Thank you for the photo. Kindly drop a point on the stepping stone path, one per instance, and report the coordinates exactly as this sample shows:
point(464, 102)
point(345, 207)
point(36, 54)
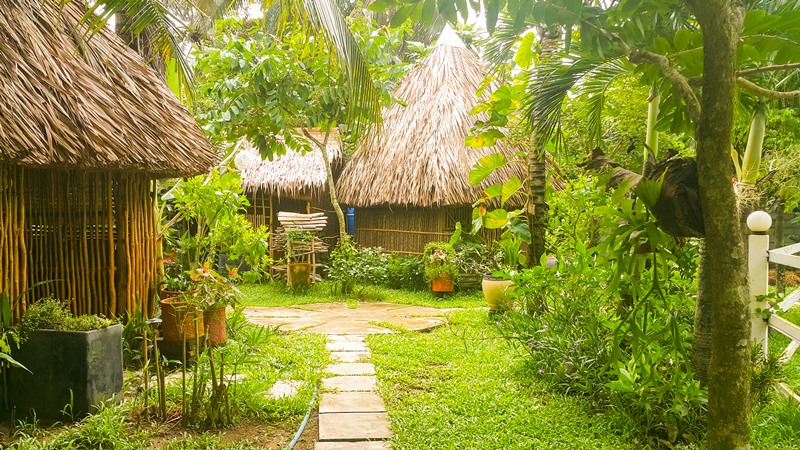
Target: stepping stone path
point(352, 417)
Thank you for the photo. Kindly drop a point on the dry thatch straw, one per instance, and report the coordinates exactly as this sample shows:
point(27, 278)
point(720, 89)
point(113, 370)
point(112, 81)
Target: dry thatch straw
point(293, 175)
point(419, 158)
point(71, 102)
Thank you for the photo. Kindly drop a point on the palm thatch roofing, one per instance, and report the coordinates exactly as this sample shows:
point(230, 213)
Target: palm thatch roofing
point(293, 174)
point(419, 158)
point(89, 103)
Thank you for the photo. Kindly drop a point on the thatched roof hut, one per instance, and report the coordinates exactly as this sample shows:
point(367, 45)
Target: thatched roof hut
point(410, 182)
point(293, 175)
point(292, 182)
point(85, 126)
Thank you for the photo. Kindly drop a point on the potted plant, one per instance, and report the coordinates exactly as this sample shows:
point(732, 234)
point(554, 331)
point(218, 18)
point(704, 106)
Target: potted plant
point(180, 319)
point(440, 267)
point(498, 285)
point(73, 364)
point(175, 281)
point(299, 245)
point(473, 263)
point(212, 294)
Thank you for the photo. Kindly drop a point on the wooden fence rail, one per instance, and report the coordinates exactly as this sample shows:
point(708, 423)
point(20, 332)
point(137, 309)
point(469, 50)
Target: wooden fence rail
point(760, 256)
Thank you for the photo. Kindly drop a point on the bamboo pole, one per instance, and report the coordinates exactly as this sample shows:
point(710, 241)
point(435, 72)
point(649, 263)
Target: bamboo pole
point(87, 262)
point(112, 270)
point(23, 251)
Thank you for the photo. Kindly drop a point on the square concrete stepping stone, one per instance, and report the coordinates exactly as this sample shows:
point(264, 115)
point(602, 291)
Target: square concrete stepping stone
point(354, 402)
point(349, 357)
point(346, 338)
point(351, 369)
point(283, 388)
point(351, 383)
point(347, 347)
point(363, 445)
point(353, 426)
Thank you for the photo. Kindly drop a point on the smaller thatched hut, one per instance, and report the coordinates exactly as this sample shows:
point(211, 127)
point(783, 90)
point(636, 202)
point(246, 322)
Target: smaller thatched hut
point(409, 183)
point(85, 128)
point(292, 182)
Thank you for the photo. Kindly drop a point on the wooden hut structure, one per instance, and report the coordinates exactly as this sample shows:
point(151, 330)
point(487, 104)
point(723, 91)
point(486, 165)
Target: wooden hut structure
point(85, 128)
point(292, 182)
point(409, 183)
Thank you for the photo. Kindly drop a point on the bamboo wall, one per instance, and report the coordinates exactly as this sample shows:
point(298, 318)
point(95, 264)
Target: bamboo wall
point(13, 270)
point(406, 231)
point(89, 238)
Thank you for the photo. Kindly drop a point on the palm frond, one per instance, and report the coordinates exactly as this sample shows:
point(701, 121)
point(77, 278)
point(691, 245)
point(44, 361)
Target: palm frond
point(364, 97)
point(548, 86)
point(147, 19)
point(594, 86)
point(501, 45)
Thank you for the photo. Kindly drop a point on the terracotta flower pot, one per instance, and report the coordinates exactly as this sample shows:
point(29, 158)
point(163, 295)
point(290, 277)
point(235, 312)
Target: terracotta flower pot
point(178, 319)
point(496, 292)
point(217, 326)
point(441, 286)
point(299, 274)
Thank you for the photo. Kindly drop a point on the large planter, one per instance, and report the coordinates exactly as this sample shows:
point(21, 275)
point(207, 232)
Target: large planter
point(298, 275)
point(178, 320)
point(441, 286)
point(216, 324)
point(468, 282)
point(165, 294)
point(72, 373)
point(497, 291)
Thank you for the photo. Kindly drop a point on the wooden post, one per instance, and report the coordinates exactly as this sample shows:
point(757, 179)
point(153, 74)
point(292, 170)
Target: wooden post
point(758, 273)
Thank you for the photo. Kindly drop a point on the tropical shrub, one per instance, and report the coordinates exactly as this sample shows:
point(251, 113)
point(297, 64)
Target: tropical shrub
point(349, 266)
point(613, 321)
point(405, 272)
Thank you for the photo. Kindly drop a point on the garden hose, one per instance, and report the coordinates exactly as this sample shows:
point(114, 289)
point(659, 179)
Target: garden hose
point(304, 422)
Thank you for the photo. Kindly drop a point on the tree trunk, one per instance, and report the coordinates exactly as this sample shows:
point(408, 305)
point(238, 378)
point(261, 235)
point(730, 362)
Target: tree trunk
point(701, 340)
point(725, 272)
point(537, 208)
point(323, 148)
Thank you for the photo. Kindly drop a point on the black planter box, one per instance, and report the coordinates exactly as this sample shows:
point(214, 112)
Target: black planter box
point(81, 368)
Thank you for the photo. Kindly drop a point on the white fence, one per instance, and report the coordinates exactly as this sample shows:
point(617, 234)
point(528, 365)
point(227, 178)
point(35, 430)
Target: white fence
point(760, 256)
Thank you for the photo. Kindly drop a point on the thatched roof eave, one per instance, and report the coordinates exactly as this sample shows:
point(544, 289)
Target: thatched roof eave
point(90, 104)
point(293, 175)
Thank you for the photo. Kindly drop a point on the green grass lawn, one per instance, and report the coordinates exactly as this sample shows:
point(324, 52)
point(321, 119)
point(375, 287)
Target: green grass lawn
point(461, 387)
point(278, 294)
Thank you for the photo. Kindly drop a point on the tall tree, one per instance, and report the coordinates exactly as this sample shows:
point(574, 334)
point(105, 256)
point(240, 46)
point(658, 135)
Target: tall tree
point(711, 32)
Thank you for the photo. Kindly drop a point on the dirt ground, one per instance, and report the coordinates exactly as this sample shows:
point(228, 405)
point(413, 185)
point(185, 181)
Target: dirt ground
point(262, 435)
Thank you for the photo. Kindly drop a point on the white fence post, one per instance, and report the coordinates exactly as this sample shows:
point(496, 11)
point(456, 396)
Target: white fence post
point(758, 273)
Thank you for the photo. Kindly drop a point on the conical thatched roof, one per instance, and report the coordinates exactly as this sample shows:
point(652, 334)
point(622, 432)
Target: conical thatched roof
point(293, 174)
point(419, 159)
point(71, 102)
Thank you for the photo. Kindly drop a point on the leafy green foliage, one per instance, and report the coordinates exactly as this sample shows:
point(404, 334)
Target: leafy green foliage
point(405, 272)
point(350, 266)
point(439, 261)
point(53, 314)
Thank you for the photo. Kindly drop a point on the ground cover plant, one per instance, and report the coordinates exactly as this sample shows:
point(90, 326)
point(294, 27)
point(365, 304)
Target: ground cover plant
point(254, 359)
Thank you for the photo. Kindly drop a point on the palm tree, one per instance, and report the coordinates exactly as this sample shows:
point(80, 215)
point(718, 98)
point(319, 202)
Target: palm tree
point(153, 28)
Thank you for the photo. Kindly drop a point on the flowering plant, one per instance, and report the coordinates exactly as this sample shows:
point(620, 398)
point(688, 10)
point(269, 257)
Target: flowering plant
point(210, 290)
point(440, 261)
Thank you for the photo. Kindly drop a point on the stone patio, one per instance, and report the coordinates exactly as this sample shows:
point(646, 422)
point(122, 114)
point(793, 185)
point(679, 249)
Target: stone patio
point(339, 319)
